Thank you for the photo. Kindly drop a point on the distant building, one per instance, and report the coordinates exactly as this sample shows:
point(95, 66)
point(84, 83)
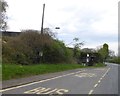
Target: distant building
point(10, 33)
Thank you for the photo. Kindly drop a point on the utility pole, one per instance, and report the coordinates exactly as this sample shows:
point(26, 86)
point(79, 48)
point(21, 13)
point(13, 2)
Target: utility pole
point(42, 19)
point(42, 38)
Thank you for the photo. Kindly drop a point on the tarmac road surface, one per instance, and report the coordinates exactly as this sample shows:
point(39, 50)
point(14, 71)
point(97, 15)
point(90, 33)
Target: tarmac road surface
point(102, 80)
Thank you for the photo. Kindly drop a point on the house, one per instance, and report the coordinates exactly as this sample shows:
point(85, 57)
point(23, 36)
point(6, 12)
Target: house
point(10, 33)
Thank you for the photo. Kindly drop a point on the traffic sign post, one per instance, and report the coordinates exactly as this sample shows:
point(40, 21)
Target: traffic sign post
point(87, 59)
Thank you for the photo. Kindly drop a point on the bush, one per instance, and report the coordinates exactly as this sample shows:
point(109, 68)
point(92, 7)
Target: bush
point(115, 60)
point(57, 53)
point(15, 51)
point(26, 48)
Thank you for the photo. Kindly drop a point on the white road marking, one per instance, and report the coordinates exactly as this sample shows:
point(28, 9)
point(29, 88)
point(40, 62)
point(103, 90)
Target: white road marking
point(86, 75)
point(95, 85)
point(91, 91)
point(49, 80)
point(99, 81)
point(80, 71)
point(101, 78)
point(38, 82)
point(104, 75)
point(100, 69)
point(42, 90)
point(106, 72)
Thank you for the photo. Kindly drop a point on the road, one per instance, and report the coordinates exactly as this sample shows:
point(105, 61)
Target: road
point(86, 81)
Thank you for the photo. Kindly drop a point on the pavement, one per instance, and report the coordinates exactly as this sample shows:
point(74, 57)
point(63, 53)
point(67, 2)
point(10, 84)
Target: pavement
point(26, 80)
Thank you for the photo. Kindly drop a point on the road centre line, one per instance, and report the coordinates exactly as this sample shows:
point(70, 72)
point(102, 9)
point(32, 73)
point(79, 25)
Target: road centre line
point(19, 86)
point(95, 85)
point(99, 81)
point(101, 78)
point(106, 72)
point(103, 75)
point(91, 91)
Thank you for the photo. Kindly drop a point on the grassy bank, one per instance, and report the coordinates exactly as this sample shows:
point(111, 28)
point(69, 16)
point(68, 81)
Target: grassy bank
point(115, 60)
point(10, 71)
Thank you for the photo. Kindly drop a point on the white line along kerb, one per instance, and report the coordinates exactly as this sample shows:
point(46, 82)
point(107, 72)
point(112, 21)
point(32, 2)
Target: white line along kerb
point(39, 81)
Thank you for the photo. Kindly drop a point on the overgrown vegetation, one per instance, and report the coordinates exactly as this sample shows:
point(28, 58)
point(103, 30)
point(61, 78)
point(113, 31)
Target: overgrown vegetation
point(27, 49)
point(32, 53)
point(104, 52)
point(114, 60)
point(31, 47)
point(12, 71)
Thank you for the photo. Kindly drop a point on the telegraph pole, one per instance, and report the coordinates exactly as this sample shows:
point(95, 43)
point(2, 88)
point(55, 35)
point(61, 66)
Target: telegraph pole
point(42, 38)
point(42, 19)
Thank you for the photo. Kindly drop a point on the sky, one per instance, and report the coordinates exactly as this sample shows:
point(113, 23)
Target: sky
point(93, 21)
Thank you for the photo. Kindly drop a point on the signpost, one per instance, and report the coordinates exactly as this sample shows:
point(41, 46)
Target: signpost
point(87, 59)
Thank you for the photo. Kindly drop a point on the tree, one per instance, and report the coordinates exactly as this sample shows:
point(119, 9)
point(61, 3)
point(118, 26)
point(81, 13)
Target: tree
point(3, 17)
point(49, 32)
point(104, 51)
point(76, 50)
point(28, 46)
point(111, 53)
point(77, 46)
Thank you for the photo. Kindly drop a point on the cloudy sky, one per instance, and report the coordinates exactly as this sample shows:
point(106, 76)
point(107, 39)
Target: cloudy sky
point(93, 21)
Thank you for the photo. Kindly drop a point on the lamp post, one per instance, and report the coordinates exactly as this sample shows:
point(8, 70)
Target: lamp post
point(57, 27)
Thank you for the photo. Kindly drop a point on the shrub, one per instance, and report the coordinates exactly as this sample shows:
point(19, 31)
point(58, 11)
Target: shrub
point(115, 60)
point(57, 53)
point(26, 48)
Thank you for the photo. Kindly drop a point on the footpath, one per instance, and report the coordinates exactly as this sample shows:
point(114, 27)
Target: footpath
point(26, 80)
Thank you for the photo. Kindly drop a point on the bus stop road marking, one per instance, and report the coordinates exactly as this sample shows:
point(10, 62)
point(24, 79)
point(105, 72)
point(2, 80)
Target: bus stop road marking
point(20, 86)
point(86, 75)
point(42, 90)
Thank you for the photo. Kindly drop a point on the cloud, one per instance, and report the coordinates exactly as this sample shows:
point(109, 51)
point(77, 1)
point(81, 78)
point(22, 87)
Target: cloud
point(93, 21)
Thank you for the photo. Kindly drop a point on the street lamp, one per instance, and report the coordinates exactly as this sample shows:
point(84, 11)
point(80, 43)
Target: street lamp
point(57, 27)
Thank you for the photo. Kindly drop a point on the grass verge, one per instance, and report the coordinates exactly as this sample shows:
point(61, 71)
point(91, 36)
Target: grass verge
point(11, 71)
